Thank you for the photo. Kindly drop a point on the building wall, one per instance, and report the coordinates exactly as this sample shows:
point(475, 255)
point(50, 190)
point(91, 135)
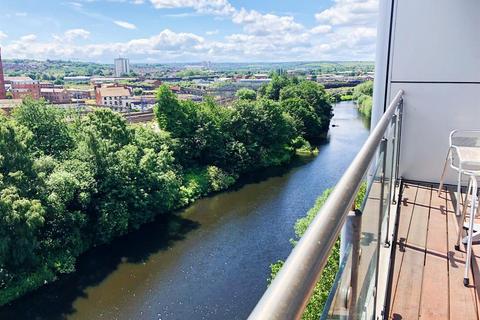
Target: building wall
point(61, 96)
point(435, 58)
point(21, 91)
point(122, 66)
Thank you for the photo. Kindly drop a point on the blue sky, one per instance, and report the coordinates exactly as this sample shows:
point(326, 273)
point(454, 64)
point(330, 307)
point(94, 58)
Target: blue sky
point(189, 30)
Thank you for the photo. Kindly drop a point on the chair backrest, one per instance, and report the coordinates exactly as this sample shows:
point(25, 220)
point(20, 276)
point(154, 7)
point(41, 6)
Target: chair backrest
point(462, 138)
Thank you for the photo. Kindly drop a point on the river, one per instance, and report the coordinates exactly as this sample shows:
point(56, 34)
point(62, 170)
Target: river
point(217, 263)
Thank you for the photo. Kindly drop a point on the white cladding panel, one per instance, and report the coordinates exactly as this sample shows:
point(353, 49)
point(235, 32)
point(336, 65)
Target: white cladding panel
point(436, 40)
point(435, 59)
point(431, 112)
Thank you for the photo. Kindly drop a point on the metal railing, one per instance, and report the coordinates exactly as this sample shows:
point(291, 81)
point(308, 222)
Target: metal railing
point(289, 293)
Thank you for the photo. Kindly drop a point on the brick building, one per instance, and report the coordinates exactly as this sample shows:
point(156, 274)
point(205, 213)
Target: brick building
point(113, 96)
point(55, 95)
point(22, 87)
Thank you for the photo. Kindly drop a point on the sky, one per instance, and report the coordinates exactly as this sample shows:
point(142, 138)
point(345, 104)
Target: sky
point(160, 31)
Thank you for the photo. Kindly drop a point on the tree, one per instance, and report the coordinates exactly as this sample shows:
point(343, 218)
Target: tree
point(306, 121)
point(315, 96)
point(365, 88)
point(362, 94)
point(48, 125)
point(246, 94)
point(272, 90)
point(138, 91)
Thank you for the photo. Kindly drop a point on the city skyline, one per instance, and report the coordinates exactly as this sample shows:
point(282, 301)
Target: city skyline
point(159, 31)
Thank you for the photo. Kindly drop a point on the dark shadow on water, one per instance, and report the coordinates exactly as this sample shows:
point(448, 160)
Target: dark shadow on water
point(258, 176)
point(55, 300)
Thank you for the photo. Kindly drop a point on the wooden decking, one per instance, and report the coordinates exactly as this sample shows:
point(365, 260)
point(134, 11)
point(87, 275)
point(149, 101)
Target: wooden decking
point(427, 279)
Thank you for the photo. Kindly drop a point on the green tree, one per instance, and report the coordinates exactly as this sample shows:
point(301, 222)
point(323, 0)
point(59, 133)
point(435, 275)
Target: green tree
point(48, 125)
point(277, 83)
point(246, 94)
point(315, 96)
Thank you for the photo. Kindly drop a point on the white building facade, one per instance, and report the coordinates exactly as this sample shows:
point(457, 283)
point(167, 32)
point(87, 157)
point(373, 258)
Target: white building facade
point(122, 67)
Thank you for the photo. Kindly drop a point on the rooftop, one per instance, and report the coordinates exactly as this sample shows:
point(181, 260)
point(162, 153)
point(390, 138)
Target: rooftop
point(114, 91)
point(19, 79)
point(52, 90)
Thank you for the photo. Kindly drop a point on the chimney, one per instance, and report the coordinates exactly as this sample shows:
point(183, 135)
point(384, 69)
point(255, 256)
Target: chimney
point(2, 79)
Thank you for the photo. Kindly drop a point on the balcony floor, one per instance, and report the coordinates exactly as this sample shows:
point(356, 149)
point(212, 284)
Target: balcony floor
point(427, 279)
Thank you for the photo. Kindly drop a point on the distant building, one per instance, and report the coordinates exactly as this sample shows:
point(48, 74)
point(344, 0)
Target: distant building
point(113, 96)
point(3, 94)
point(77, 79)
point(22, 87)
point(122, 67)
point(81, 94)
point(55, 95)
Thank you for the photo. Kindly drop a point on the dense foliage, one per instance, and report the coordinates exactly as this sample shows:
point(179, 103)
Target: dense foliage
point(362, 94)
point(322, 289)
point(68, 183)
point(306, 102)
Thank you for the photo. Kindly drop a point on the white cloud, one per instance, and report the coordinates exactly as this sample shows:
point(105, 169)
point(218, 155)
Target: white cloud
point(345, 31)
point(3, 35)
point(350, 12)
point(28, 38)
point(73, 34)
point(125, 24)
point(76, 4)
point(21, 14)
point(220, 7)
point(323, 28)
point(257, 23)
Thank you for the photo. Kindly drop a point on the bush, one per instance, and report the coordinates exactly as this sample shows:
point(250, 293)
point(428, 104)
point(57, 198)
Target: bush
point(315, 306)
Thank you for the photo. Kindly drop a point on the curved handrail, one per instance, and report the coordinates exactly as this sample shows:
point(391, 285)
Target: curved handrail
point(289, 293)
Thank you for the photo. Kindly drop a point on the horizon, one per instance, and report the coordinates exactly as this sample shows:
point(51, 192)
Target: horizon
point(168, 31)
point(191, 62)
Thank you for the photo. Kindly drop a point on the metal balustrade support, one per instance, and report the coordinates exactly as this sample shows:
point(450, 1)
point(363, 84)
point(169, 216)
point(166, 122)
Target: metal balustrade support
point(391, 193)
point(399, 141)
point(382, 153)
point(354, 223)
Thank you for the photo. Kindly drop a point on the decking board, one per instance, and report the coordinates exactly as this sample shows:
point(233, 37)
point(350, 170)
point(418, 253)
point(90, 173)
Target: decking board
point(462, 300)
point(435, 279)
point(427, 278)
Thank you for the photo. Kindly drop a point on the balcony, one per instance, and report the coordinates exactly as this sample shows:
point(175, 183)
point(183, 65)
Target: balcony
point(397, 249)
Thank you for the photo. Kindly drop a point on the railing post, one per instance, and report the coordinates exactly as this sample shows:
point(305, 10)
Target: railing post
point(391, 193)
point(383, 149)
point(351, 236)
point(399, 140)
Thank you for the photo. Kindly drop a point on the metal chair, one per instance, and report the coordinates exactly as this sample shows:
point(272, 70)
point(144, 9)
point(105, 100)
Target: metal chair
point(464, 156)
point(473, 191)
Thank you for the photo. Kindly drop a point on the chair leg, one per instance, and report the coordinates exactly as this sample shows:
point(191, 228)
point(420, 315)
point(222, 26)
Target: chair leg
point(470, 231)
point(440, 187)
point(459, 194)
point(462, 219)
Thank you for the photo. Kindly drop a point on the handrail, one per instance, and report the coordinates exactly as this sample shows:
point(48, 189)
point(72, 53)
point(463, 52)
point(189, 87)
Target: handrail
point(289, 293)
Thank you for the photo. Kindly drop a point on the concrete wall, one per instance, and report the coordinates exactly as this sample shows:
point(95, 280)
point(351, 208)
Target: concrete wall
point(435, 59)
